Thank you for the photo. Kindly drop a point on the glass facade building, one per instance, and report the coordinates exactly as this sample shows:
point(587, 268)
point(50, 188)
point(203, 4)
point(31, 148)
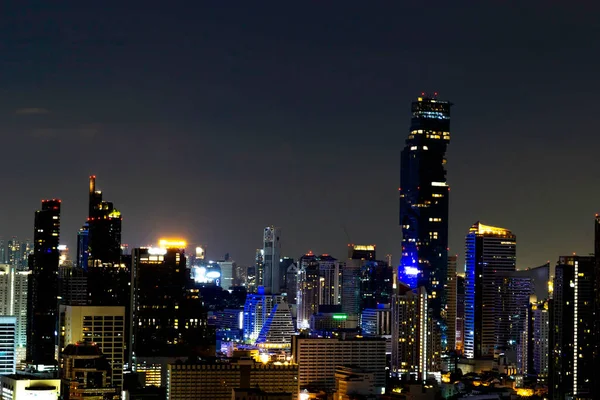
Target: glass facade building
point(424, 200)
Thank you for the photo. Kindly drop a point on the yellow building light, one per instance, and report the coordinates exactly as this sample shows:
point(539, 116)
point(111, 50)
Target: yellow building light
point(172, 244)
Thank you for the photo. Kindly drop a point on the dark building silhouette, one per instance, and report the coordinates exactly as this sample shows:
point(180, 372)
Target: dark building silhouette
point(376, 284)
point(424, 200)
point(42, 297)
point(571, 369)
point(168, 316)
point(104, 221)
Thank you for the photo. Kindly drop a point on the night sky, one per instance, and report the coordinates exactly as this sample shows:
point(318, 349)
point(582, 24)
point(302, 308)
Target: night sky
point(209, 121)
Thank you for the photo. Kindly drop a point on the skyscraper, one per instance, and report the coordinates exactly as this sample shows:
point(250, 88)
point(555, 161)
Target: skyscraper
point(451, 303)
point(272, 254)
point(104, 220)
point(13, 302)
point(424, 199)
point(490, 252)
point(42, 302)
point(415, 344)
point(167, 313)
point(572, 370)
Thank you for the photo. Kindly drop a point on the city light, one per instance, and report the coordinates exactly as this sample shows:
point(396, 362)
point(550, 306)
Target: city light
point(172, 243)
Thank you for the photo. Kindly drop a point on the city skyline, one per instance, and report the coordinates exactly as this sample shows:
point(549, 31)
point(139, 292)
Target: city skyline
point(233, 115)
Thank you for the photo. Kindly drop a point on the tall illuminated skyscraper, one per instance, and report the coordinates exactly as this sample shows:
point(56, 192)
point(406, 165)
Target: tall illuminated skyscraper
point(42, 302)
point(424, 200)
point(272, 255)
point(490, 254)
point(571, 366)
point(13, 301)
point(451, 303)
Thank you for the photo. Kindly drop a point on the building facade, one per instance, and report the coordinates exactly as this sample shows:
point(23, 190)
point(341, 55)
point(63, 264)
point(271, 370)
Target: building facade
point(42, 291)
point(272, 254)
point(318, 359)
point(13, 302)
point(104, 326)
point(424, 195)
point(490, 252)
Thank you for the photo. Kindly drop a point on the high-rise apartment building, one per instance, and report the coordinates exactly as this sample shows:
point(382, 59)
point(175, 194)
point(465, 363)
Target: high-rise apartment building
point(319, 283)
point(272, 255)
point(450, 314)
point(8, 332)
point(104, 326)
point(13, 302)
point(571, 372)
point(42, 293)
point(513, 293)
point(424, 198)
point(167, 313)
point(490, 252)
point(415, 344)
point(540, 339)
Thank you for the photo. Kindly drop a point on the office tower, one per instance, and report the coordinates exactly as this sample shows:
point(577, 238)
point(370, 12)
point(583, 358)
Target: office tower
point(13, 302)
point(460, 315)
point(489, 252)
point(104, 326)
point(29, 386)
point(256, 273)
point(450, 314)
point(104, 221)
point(72, 285)
point(318, 358)
point(190, 381)
point(376, 285)
point(361, 252)
point(513, 293)
point(167, 313)
point(376, 322)
point(413, 347)
point(42, 293)
point(271, 254)
point(85, 373)
point(572, 352)
point(308, 290)
point(330, 280)
point(291, 282)
point(284, 264)
point(276, 333)
point(8, 345)
point(351, 284)
point(424, 198)
point(227, 267)
point(83, 241)
point(260, 317)
point(109, 271)
point(541, 338)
